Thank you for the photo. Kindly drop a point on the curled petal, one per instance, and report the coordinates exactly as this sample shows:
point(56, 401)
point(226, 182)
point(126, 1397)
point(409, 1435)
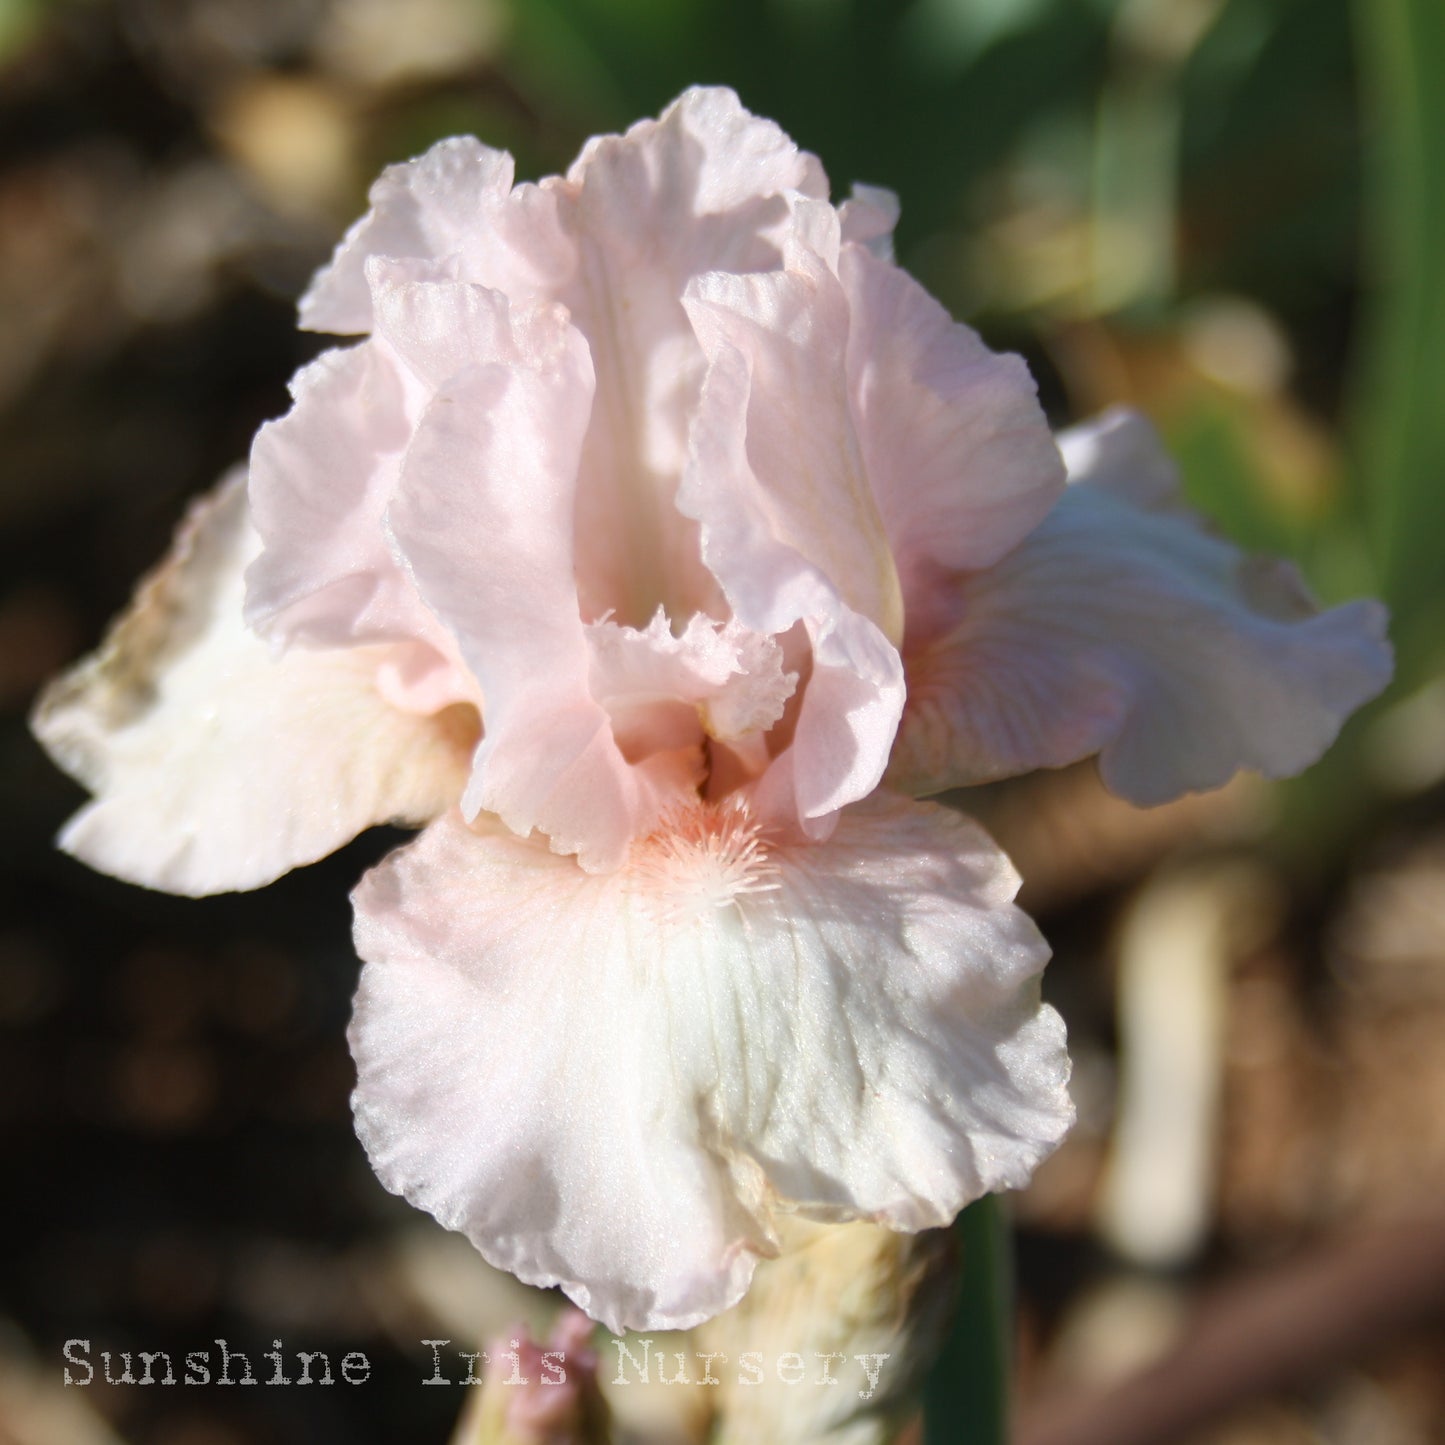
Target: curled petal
point(492, 473)
point(613, 1082)
point(438, 327)
point(791, 329)
point(759, 550)
point(846, 724)
point(706, 154)
point(216, 766)
point(323, 476)
point(1122, 627)
point(320, 479)
point(454, 205)
point(716, 678)
point(705, 187)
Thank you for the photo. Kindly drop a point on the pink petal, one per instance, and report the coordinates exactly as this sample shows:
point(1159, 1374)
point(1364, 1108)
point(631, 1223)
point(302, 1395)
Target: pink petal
point(954, 441)
point(484, 518)
point(611, 1082)
point(791, 328)
point(455, 204)
point(789, 532)
point(324, 475)
point(1121, 626)
point(664, 692)
point(321, 477)
point(215, 766)
point(705, 187)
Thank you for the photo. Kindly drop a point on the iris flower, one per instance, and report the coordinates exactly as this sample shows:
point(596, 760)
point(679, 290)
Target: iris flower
point(657, 547)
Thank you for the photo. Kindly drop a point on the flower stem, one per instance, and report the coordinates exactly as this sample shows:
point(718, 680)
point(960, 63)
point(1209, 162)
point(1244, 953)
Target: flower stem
point(967, 1395)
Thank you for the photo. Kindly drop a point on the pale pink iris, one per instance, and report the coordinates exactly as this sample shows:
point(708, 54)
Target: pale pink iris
point(657, 545)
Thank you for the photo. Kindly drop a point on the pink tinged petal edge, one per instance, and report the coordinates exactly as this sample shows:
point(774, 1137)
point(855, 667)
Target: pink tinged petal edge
point(484, 518)
point(215, 766)
point(956, 446)
point(1123, 627)
point(610, 1088)
point(854, 697)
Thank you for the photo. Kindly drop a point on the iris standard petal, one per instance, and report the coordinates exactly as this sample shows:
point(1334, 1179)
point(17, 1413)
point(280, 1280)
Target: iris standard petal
point(854, 695)
point(491, 474)
point(455, 204)
point(958, 453)
point(321, 477)
point(705, 187)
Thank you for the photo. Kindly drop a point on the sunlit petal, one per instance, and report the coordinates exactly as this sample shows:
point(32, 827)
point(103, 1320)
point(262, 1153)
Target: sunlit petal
point(1123, 627)
point(612, 1082)
point(216, 766)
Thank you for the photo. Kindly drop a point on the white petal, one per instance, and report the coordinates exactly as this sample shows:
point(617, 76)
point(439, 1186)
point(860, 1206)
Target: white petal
point(1120, 451)
point(868, 217)
point(215, 766)
point(612, 1082)
point(1121, 626)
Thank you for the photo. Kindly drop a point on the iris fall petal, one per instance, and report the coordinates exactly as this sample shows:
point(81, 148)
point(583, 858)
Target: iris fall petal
point(174, 725)
point(613, 1082)
point(1121, 626)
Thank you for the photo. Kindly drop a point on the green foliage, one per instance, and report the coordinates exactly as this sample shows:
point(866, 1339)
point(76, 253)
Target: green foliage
point(967, 1396)
point(19, 19)
point(1399, 452)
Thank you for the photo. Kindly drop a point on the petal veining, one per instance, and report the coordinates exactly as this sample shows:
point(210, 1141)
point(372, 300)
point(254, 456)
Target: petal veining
point(1121, 626)
point(611, 1082)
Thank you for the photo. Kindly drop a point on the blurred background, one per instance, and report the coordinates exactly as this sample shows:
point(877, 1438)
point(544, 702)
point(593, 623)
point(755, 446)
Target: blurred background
point(1230, 213)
